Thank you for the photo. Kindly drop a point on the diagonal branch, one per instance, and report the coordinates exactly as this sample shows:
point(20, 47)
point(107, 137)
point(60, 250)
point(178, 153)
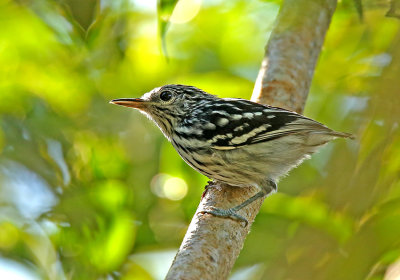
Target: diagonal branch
point(292, 52)
point(212, 245)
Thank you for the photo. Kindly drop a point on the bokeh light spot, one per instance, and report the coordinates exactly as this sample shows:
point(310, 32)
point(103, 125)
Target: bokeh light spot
point(175, 188)
point(167, 186)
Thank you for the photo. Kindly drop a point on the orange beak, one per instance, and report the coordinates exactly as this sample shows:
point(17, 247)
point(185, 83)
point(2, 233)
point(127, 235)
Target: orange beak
point(136, 103)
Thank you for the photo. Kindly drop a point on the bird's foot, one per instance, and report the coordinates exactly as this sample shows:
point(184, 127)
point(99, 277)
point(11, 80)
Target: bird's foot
point(230, 213)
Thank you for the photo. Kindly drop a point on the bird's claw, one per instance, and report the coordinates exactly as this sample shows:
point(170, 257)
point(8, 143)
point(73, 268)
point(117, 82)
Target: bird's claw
point(226, 213)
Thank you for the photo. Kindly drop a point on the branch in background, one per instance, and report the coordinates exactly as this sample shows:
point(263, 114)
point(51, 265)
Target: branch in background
point(359, 8)
point(212, 245)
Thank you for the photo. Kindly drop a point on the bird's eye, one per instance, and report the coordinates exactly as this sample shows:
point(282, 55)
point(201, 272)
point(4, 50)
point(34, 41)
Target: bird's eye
point(166, 95)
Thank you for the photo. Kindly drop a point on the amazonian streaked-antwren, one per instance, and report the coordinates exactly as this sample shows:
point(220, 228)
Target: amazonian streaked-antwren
point(234, 141)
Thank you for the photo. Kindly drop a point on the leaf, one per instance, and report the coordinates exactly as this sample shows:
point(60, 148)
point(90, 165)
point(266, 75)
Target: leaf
point(83, 12)
point(164, 12)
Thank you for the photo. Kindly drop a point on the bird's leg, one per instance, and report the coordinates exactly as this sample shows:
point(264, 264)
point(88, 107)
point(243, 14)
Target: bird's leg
point(232, 212)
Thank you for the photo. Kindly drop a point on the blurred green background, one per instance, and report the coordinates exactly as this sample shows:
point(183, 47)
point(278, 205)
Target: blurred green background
point(93, 191)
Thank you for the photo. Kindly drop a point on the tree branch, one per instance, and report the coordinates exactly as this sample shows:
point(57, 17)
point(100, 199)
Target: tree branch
point(211, 244)
point(293, 49)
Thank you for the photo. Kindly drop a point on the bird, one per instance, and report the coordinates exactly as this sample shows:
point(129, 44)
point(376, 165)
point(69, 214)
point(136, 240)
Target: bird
point(231, 140)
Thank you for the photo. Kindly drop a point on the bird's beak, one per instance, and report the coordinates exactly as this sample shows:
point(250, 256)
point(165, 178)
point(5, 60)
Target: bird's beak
point(136, 103)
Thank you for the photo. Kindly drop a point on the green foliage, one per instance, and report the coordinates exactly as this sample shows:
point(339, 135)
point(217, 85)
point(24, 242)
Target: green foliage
point(164, 12)
point(93, 191)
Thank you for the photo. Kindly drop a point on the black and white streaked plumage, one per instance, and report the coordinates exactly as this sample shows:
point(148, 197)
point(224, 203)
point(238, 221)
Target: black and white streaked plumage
point(234, 141)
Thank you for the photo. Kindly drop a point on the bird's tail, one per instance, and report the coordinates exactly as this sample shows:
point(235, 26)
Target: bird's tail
point(322, 136)
point(342, 134)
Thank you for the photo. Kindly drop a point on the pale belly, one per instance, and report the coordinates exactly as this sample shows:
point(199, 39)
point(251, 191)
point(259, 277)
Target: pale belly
point(246, 166)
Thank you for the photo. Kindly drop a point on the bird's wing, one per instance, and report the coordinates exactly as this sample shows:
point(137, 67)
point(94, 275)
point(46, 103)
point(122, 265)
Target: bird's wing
point(258, 123)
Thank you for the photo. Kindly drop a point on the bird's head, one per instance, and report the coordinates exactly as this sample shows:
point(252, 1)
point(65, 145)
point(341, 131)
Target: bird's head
point(168, 104)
